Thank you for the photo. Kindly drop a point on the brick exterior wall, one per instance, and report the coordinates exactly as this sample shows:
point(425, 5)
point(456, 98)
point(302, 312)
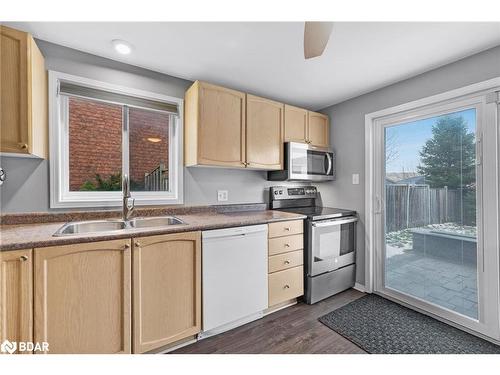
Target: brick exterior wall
point(95, 141)
point(145, 156)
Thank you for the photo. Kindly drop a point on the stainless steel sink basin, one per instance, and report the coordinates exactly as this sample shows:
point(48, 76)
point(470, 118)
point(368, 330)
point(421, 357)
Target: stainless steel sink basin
point(148, 222)
point(97, 226)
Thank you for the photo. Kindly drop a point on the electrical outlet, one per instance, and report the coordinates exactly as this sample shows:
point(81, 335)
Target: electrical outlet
point(222, 195)
point(355, 179)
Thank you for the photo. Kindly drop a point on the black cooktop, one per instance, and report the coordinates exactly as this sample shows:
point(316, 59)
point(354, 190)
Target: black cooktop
point(319, 213)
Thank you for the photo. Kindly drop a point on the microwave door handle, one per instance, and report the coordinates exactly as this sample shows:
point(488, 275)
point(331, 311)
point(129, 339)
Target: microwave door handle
point(330, 223)
point(330, 163)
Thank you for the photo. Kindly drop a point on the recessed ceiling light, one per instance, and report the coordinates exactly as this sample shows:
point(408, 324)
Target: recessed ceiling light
point(122, 46)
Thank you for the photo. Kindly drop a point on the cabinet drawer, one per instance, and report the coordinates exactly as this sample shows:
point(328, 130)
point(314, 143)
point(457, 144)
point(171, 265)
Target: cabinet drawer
point(285, 285)
point(285, 244)
point(285, 261)
point(286, 228)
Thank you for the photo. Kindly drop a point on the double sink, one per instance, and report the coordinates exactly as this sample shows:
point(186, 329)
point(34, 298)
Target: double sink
point(113, 225)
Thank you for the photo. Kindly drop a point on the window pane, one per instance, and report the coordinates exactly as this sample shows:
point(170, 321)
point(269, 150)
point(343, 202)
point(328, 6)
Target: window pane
point(95, 145)
point(148, 144)
point(430, 216)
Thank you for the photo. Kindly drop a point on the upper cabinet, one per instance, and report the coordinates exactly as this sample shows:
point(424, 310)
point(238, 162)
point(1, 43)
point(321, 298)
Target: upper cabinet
point(264, 133)
point(295, 124)
point(305, 126)
point(214, 126)
point(228, 128)
point(23, 95)
point(318, 129)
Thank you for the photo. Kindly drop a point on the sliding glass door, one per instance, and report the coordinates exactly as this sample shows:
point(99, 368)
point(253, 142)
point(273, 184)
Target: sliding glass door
point(430, 210)
point(430, 184)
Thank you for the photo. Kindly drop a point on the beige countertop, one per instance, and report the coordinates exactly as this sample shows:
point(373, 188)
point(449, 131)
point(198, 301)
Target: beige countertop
point(26, 236)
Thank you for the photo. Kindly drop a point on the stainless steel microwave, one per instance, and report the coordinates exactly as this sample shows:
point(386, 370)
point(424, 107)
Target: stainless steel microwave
point(304, 162)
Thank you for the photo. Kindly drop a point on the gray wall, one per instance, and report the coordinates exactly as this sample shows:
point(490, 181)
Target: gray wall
point(27, 185)
point(348, 127)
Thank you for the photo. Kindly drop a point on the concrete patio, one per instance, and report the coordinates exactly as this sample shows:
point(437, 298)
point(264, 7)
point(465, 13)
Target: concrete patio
point(452, 285)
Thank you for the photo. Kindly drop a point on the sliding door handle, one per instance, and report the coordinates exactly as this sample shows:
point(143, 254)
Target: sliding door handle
point(378, 205)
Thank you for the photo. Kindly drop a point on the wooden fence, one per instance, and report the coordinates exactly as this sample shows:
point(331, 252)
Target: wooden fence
point(409, 206)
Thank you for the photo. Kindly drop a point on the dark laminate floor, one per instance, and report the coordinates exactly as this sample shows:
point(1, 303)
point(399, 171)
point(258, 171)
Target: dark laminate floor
point(295, 329)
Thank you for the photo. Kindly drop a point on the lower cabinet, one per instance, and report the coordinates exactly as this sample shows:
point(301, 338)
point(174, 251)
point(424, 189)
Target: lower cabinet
point(16, 297)
point(83, 297)
point(167, 289)
point(285, 262)
point(286, 285)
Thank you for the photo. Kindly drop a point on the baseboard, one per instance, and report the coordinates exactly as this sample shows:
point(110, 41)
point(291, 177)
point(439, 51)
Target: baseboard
point(229, 326)
point(174, 346)
point(280, 306)
point(359, 287)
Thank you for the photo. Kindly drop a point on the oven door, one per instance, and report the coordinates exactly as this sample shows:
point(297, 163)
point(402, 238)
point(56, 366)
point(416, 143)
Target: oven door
point(333, 244)
point(310, 163)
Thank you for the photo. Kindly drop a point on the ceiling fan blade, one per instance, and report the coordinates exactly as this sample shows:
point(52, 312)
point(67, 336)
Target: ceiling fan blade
point(316, 35)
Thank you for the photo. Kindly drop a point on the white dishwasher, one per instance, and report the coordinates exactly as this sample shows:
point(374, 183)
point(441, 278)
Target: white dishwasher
point(234, 277)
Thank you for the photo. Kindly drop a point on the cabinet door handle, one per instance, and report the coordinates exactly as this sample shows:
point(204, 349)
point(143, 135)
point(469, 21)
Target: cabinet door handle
point(23, 258)
point(23, 146)
point(286, 286)
point(126, 246)
point(138, 244)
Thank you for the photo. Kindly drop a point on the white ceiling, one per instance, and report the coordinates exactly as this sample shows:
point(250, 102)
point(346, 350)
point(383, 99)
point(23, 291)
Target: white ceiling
point(267, 58)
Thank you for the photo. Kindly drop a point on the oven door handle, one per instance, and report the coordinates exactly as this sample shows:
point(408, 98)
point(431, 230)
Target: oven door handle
point(330, 223)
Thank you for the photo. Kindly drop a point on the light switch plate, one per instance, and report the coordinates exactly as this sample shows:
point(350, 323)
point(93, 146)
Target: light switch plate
point(222, 195)
point(355, 179)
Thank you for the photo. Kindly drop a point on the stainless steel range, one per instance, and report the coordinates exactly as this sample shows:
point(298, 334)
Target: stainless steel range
point(329, 241)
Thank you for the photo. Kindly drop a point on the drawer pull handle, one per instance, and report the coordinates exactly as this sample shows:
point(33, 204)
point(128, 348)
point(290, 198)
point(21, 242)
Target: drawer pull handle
point(23, 146)
point(287, 245)
point(287, 261)
point(126, 246)
point(23, 258)
point(286, 286)
point(287, 229)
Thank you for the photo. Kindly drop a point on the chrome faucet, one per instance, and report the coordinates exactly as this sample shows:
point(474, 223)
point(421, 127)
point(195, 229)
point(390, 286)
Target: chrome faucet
point(128, 201)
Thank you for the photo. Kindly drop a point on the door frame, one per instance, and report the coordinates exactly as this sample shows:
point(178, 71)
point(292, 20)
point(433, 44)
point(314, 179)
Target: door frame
point(485, 95)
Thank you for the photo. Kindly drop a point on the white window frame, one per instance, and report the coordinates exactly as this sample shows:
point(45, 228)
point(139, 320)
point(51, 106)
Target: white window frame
point(61, 197)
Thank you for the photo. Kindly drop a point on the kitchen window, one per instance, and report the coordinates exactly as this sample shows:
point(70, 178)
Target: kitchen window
point(100, 132)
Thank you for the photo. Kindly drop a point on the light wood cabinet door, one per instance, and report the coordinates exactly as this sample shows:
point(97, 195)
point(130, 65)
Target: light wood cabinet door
point(285, 285)
point(23, 95)
point(167, 289)
point(319, 126)
point(264, 133)
point(16, 296)
point(295, 124)
point(215, 126)
point(83, 297)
